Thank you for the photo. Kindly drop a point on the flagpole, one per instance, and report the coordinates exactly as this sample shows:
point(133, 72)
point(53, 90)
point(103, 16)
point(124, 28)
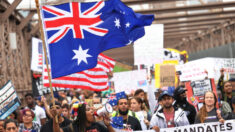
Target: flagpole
point(45, 54)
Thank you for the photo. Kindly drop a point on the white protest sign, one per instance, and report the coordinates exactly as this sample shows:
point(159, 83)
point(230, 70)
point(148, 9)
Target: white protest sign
point(148, 50)
point(195, 70)
point(36, 61)
point(130, 81)
point(9, 100)
point(227, 64)
point(228, 126)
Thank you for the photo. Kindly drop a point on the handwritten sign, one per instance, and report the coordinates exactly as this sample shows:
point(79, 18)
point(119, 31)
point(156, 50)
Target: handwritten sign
point(227, 64)
point(195, 70)
point(162, 73)
point(167, 75)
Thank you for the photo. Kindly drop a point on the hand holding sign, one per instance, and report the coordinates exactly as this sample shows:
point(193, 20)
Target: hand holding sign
point(156, 128)
point(222, 71)
point(221, 120)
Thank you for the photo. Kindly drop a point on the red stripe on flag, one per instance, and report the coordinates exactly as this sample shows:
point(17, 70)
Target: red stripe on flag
point(98, 30)
point(95, 79)
point(52, 11)
point(78, 79)
point(75, 86)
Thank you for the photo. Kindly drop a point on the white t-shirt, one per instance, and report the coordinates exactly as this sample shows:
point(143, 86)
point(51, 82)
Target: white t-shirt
point(140, 114)
point(39, 114)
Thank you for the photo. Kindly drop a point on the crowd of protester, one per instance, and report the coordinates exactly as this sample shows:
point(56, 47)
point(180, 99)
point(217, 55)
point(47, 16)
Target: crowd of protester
point(39, 114)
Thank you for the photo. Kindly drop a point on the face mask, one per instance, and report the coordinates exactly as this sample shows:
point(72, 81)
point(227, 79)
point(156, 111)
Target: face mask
point(123, 112)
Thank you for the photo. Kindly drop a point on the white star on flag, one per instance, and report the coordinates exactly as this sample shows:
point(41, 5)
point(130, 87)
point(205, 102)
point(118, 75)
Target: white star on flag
point(81, 55)
point(130, 42)
point(117, 23)
point(127, 25)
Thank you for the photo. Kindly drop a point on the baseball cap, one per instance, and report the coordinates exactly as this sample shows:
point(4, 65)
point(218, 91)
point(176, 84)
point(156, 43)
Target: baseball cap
point(180, 89)
point(164, 93)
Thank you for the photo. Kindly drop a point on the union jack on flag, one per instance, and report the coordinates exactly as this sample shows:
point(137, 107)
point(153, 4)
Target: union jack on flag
point(112, 100)
point(76, 33)
point(75, 19)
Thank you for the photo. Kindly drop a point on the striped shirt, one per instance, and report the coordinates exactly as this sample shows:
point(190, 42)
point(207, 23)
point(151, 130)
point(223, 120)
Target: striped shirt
point(35, 128)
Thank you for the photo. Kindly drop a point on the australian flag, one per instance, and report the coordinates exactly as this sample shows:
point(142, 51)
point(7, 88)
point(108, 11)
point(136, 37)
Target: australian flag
point(77, 32)
point(112, 100)
point(117, 122)
point(121, 95)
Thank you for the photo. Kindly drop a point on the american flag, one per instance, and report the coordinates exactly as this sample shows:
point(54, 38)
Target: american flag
point(95, 79)
point(40, 54)
point(105, 62)
point(36, 62)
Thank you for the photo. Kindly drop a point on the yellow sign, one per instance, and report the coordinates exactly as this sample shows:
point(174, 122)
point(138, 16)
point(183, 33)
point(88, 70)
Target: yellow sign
point(160, 75)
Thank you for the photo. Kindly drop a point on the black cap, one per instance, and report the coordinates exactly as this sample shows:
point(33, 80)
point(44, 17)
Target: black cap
point(180, 90)
point(165, 93)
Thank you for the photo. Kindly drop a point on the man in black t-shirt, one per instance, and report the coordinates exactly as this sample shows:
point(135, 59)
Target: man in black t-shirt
point(181, 102)
point(63, 122)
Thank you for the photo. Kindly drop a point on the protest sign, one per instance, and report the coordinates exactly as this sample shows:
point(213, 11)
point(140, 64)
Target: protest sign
point(228, 126)
point(197, 89)
point(148, 49)
point(9, 100)
point(45, 90)
point(195, 70)
point(130, 81)
point(165, 74)
point(36, 61)
point(228, 64)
